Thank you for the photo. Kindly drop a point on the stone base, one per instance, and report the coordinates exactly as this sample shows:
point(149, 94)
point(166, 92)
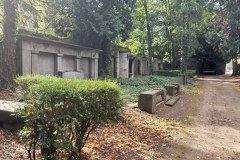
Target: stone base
point(183, 79)
point(69, 75)
point(150, 101)
point(7, 119)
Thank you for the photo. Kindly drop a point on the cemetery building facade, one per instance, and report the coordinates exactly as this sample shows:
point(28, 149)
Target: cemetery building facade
point(51, 56)
point(36, 55)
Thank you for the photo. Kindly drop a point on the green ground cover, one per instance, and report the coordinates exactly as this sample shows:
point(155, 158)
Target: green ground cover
point(174, 73)
point(133, 87)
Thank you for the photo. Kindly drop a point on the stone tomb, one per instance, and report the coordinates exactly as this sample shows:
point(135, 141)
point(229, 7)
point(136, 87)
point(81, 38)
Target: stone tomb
point(150, 101)
point(36, 55)
point(122, 63)
point(173, 90)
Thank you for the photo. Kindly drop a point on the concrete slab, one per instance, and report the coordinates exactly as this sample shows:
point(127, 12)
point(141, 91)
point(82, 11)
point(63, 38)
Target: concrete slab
point(173, 101)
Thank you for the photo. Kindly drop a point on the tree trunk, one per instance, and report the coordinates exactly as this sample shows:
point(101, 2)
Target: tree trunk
point(149, 37)
point(184, 48)
point(106, 58)
point(8, 72)
point(235, 67)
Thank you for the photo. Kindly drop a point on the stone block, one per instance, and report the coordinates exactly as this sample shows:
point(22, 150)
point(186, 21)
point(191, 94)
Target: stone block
point(150, 101)
point(7, 109)
point(173, 89)
point(183, 79)
point(69, 75)
point(178, 87)
point(173, 101)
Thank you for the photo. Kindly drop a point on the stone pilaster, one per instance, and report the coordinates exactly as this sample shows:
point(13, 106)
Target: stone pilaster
point(59, 63)
point(34, 62)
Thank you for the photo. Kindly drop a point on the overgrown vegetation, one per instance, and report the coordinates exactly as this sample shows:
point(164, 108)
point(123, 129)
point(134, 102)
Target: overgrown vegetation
point(133, 87)
point(62, 113)
point(174, 73)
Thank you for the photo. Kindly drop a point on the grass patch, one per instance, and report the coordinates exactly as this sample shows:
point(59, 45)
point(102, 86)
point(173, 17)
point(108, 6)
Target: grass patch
point(133, 87)
point(192, 89)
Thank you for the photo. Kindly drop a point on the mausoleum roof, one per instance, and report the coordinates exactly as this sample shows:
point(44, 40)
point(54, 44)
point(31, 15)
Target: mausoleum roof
point(27, 37)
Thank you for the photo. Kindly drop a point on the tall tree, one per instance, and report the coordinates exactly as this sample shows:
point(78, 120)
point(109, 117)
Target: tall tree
point(1, 17)
point(8, 72)
point(149, 38)
point(232, 32)
point(225, 30)
point(100, 23)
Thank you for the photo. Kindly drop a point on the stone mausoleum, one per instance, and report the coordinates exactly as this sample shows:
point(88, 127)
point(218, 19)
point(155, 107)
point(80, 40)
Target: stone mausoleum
point(51, 56)
point(127, 65)
point(37, 55)
point(122, 63)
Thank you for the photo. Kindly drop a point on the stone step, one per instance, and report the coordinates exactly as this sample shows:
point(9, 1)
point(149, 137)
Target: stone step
point(172, 101)
point(7, 118)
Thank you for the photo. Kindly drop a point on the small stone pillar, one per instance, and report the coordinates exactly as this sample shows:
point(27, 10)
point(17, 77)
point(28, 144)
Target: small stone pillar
point(96, 68)
point(117, 65)
point(59, 63)
point(77, 63)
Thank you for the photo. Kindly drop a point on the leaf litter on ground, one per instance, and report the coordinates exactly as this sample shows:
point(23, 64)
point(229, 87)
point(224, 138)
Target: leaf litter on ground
point(138, 135)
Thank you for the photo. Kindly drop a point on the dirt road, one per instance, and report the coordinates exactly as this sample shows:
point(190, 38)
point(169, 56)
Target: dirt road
point(215, 131)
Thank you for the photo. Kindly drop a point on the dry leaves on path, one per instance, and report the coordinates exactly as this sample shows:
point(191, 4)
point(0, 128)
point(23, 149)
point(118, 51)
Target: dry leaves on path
point(137, 136)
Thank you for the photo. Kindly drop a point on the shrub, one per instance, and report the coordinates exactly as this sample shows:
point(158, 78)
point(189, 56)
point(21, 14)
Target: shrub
point(62, 113)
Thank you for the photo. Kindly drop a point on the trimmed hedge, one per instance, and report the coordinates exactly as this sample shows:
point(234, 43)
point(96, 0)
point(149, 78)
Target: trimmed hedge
point(174, 73)
point(62, 113)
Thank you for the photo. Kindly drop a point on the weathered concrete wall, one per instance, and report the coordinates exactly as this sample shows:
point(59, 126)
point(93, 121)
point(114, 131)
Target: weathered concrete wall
point(157, 64)
point(142, 65)
point(46, 64)
point(40, 56)
point(68, 63)
point(85, 66)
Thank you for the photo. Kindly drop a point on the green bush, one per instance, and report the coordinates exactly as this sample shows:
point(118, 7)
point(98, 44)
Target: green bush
point(62, 113)
point(174, 73)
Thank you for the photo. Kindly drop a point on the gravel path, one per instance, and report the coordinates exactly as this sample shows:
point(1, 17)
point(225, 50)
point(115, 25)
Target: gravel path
point(215, 133)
